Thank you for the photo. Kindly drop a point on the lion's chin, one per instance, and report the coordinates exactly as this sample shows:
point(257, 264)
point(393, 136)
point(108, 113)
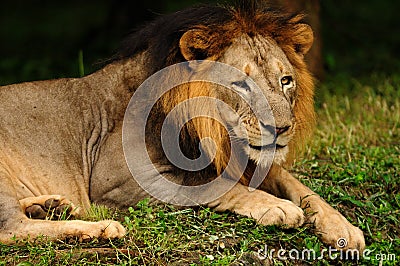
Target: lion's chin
point(265, 157)
point(280, 155)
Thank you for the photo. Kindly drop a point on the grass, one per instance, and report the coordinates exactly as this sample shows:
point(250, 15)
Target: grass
point(353, 163)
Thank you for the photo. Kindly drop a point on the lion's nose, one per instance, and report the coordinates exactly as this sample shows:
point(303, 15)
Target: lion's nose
point(281, 130)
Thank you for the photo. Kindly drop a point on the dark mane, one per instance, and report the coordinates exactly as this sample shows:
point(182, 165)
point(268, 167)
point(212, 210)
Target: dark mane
point(161, 37)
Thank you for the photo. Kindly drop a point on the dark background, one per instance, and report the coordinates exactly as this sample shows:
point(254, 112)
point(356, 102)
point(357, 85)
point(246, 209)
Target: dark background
point(42, 39)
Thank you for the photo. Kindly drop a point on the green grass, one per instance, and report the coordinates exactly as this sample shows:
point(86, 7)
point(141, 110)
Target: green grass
point(353, 163)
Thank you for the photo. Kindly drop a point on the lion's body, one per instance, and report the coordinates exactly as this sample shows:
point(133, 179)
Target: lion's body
point(70, 131)
point(64, 137)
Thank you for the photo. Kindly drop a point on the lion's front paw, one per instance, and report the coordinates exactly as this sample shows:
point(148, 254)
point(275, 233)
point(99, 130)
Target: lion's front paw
point(263, 207)
point(112, 229)
point(334, 230)
point(282, 212)
point(48, 207)
point(106, 229)
point(269, 210)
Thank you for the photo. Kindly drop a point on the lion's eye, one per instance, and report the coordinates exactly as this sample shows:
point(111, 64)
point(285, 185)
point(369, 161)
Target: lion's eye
point(286, 81)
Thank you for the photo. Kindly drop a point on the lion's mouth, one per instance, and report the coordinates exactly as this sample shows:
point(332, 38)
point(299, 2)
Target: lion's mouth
point(267, 147)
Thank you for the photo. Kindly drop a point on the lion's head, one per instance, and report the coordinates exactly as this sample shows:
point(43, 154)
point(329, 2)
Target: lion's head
point(265, 45)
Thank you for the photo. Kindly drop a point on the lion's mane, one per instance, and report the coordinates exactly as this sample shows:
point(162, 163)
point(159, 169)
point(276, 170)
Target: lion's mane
point(160, 40)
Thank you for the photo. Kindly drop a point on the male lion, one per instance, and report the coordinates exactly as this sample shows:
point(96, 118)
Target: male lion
point(61, 140)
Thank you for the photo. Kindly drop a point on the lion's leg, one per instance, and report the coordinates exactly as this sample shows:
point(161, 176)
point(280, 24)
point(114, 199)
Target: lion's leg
point(25, 228)
point(48, 206)
point(330, 225)
point(263, 207)
point(15, 224)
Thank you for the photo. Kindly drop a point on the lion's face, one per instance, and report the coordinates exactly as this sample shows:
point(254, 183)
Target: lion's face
point(261, 59)
point(272, 59)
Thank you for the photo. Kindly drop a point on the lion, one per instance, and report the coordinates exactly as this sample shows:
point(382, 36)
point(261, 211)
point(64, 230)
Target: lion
point(61, 140)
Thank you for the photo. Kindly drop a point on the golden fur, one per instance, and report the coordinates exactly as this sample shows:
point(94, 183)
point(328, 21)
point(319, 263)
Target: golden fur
point(61, 140)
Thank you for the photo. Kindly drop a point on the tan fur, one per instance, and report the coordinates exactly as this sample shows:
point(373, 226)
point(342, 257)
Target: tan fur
point(62, 139)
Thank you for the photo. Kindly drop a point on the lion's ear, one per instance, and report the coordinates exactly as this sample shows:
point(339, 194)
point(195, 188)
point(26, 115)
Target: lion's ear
point(195, 44)
point(303, 38)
